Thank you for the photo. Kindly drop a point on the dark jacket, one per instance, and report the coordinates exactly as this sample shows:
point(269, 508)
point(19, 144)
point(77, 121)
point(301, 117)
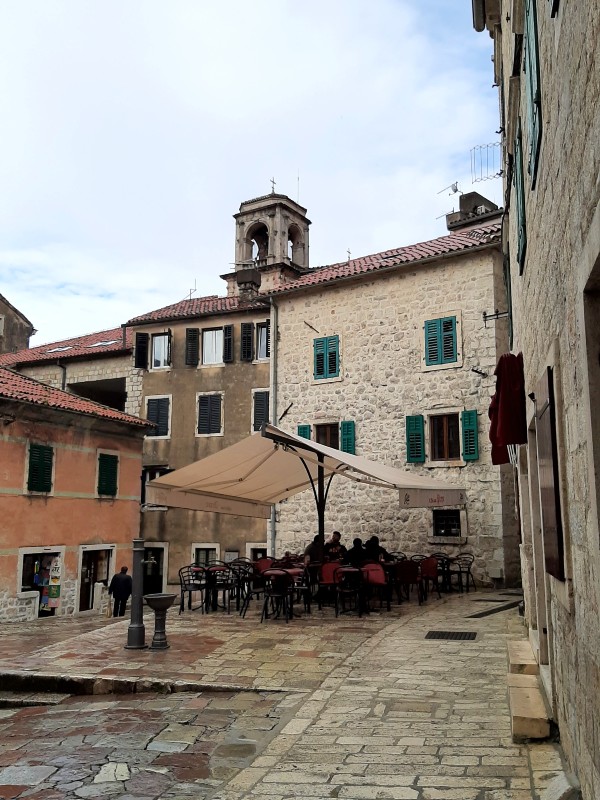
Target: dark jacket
point(120, 586)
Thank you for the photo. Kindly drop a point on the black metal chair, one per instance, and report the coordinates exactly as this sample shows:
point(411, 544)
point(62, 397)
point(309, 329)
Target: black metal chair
point(460, 568)
point(349, 590)
point(278, 591)
point(191, 579)
point(405, 574)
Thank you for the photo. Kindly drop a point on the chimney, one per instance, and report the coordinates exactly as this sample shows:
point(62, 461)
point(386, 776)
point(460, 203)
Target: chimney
point(248, 281)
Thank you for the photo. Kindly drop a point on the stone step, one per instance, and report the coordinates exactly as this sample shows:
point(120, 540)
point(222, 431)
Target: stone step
point(528, 715)
point(520, 658)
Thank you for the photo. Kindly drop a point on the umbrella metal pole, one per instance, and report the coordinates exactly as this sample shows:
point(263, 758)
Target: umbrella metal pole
point(321, 500)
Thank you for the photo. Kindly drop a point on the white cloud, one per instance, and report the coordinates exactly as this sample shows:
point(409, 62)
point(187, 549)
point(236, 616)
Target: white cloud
point(132, 131)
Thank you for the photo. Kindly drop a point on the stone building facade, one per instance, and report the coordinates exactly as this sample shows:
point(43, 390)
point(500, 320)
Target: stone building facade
point(384, 318)
point(70, 498)
point(546, 64)
point(15, 328)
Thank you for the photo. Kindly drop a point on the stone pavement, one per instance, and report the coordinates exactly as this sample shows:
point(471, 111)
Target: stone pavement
point(318, 708)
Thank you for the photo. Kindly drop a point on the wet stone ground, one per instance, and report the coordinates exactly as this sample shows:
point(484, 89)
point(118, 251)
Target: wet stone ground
point(138, 746)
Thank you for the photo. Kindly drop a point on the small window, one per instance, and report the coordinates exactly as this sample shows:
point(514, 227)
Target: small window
point(326, 357)
point(160, 350)
point(39, 478)
point(444, 437)
point(204, 555)
point(446, 522)
point(304, 431)
point(210, 421)
point(260, 412)
point(158, 412)
point(328, 435)
point(108, 472)
point(257, 552)
point(440, 341)
point(262, 340)
point(212, 346)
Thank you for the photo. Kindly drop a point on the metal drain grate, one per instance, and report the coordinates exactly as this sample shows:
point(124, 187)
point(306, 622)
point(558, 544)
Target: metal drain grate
point(461, 636)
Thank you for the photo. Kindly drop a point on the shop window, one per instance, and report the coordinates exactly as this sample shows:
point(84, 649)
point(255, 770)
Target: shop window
point(39, 477)
point(446, 522)
point(36, 576)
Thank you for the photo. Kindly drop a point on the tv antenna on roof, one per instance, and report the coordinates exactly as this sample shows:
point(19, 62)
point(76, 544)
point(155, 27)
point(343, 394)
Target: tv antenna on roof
point(192, 291)
point(453, 189)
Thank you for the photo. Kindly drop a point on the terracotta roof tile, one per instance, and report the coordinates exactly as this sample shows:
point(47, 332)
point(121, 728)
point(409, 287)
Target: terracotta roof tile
point(196, 307)
point(455, 242)
point(14, 386)
point(89, 345)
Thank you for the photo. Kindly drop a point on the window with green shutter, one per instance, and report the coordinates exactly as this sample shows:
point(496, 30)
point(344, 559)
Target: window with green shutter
point(108, 471)
point(247, 341)
point(158, 413)
point(142, 347)
point(260, 412)
point(415, 439)
point(347, 436)
point(326, 357)
point(470, 440)
point(519, 185)
point(210, 414)
point(440, 341)
point(39, 478)
point(532, 85)
point(304, 431)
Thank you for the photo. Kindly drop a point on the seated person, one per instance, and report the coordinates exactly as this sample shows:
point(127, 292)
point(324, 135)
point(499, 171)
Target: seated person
point(375, 552)
point(356, 555)
point(312, 552)
point(334, 550)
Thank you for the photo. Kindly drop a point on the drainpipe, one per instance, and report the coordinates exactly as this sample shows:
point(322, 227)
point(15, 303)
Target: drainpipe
point(273, 410)
point(63, 382)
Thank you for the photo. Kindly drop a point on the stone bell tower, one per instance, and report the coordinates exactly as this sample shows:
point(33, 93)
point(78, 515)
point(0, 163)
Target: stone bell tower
point(269, 231)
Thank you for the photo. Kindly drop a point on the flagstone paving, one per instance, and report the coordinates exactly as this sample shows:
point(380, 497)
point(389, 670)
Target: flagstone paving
point(318, 708)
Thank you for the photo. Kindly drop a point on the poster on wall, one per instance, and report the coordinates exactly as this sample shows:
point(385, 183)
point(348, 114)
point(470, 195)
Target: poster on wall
point(54, 583)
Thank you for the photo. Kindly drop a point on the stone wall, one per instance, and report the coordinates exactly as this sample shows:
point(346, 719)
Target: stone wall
point(382, 380)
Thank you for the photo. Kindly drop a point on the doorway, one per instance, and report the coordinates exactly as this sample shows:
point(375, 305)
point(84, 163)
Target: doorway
point(154, 569)
point(95, 567)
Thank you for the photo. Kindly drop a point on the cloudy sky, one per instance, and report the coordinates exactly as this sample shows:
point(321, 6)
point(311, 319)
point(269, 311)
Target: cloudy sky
point(132, 131)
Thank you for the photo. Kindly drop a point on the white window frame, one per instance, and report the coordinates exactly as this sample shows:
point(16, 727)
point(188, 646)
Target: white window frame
point(254, 391)
point(111, 569)
point(219, 362)
point(23, 551)
point(457, 314)
point(222, 430)
point(441, 412)
point(250, 546)
point(153, 337)
point(259, 326)
point(159, 397)
point(457, 541)
point(205, 546)
point(1, 324)
point(108, 453)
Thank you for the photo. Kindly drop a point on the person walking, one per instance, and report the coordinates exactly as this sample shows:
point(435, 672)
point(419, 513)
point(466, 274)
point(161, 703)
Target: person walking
point(120, 589)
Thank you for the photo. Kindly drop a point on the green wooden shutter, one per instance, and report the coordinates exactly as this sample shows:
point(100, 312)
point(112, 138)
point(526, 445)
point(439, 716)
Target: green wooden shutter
point(448, 334)
point(227, 344)
point(247, 342)
point(415, 439)
point(39, 478)
point(108, 468)
point(304, 431)
point(532, 85)
point(261, 410)
point(347, 436)
point(333, 356)
point(433, 335)
point(319, 346)
point(142, 344)
point(519, 184)
point(470, 439)
point(192, 347)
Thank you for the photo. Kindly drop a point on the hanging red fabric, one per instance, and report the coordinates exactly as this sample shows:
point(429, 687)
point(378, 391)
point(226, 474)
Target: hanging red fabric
point(508, 423)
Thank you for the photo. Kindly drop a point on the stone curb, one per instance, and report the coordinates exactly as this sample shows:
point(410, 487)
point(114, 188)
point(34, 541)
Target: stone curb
point(93, 685)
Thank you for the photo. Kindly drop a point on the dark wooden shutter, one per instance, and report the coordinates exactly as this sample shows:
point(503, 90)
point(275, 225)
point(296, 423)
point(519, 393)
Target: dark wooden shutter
point(261, 410)
point(347, 436)
point(142, 344)
point(470, 439)
point(108, 468)
point(268, 334)
point(333, 356)
point(448, 334)
point(247, 343)
point(227, 344)
point(169, 340)
point(547, 455)
point(432, 342)
point(319, 346)
point(39, 478)
point(415, 439)
point(519, 184)
point(209, 414)
point(158, 412)
point(192, 347)
point(304, 431)
point(532, 85)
